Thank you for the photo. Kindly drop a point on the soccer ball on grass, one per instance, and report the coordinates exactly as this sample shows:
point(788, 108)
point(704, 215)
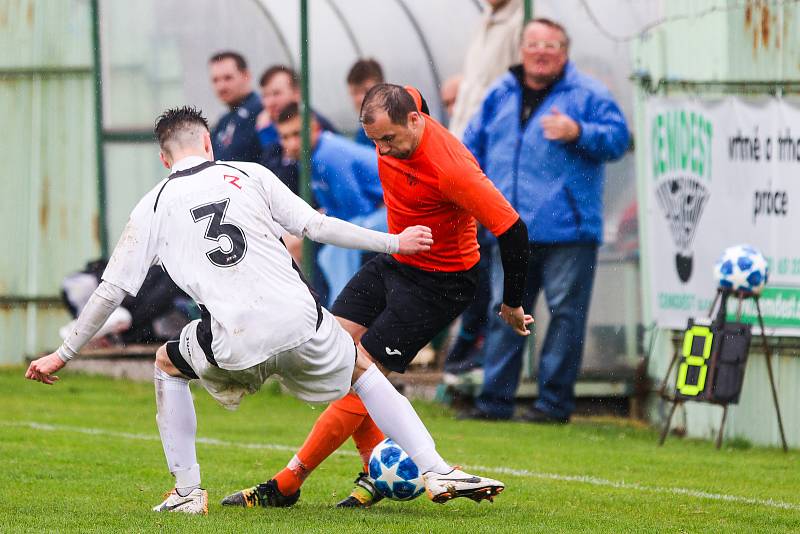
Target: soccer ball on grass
point(396, 475)
point(742, 268)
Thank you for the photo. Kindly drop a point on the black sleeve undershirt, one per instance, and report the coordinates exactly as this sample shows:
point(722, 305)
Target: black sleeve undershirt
point(424, 107)
point(514, 250)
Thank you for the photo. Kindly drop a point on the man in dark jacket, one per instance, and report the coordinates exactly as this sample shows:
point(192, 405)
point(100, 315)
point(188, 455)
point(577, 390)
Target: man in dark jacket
point(543, 135)
point(234, 136)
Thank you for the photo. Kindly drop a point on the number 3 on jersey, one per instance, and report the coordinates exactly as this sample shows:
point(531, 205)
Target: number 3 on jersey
point(232, 249)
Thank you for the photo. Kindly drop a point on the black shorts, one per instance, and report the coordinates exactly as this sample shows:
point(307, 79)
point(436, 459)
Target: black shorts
point(403, 307)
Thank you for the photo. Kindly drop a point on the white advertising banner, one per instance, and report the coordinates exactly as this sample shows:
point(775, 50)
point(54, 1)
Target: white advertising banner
point(722, 173)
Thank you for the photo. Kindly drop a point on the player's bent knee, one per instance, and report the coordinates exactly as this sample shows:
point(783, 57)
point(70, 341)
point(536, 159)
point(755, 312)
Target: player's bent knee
point(363, 362)
point(355, 330)
point(163, 362)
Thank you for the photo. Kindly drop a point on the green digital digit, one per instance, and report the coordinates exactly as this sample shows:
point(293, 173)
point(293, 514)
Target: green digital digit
point(692, 357)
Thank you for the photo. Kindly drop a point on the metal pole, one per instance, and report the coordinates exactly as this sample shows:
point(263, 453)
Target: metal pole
point(662, 391)
point(768, 358)
point(722, 426)
point(305, 112)
point(529, 352)
point(102, 223)
point(714, 304)
point(665, 430)
point(739, 308)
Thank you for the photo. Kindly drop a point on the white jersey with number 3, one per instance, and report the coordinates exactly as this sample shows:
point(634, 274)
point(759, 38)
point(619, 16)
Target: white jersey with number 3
point(215, 228)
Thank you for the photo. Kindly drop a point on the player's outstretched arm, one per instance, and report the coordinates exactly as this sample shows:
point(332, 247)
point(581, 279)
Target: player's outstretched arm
point(514, 250)
point(469, 187)
point(301, 220)
point(103, 301)
point(333, 231)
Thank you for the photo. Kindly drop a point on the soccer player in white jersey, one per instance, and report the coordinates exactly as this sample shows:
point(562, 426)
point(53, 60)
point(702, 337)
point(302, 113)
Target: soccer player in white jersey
point(216, 229)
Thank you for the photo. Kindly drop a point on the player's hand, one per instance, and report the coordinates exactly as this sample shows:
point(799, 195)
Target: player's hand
point(516, 319)
point(42, 369)
point(415, 239)
point(559, 127)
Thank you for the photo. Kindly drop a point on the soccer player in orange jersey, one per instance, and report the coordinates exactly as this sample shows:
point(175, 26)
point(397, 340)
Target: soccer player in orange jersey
point(396, 304)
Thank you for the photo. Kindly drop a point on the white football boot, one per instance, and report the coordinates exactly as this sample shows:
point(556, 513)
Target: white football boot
point(444, 487)
point(194, 503)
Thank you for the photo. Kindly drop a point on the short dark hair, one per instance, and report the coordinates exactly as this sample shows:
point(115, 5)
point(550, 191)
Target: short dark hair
point(288, 113)
point(292, 111)
point(274, 70)
point(175, 120)
point(237, 58)
point(363, 70)
point(551, 24)
point(393, 99)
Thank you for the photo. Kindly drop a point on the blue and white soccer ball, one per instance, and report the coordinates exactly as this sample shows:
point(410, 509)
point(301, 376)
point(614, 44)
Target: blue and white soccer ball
point(396, 475)
point(742, 268)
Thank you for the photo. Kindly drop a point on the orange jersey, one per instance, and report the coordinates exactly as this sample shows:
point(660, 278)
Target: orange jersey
point(442, 186)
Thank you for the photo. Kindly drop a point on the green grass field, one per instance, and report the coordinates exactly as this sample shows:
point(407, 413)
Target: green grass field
point(84, 455)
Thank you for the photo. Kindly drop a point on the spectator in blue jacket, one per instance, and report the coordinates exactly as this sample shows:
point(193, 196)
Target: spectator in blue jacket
point(543, 135)
point(345, 184)
point(234, 136)
point(280, 87)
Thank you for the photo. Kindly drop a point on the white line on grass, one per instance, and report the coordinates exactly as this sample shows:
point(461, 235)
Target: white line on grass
point(594, 481)
point(150, 437)
point(581, 479)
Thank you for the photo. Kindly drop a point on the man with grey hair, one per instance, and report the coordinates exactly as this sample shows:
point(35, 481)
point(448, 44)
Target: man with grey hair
point(543, 135)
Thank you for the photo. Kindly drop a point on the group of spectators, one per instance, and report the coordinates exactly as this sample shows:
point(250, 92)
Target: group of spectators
point(266, 129)
point(540, 130)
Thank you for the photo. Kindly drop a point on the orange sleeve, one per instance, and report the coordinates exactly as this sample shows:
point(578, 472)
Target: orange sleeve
point(469, 188)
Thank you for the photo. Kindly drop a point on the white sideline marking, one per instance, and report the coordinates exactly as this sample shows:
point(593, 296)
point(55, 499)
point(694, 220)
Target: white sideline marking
point(594, 481)
point(152, 437)
point(581, 479)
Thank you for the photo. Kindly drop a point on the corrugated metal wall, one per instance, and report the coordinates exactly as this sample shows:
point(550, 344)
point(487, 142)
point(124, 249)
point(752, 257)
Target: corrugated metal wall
point(48, 193)
point(763, 41)
point(723, 40)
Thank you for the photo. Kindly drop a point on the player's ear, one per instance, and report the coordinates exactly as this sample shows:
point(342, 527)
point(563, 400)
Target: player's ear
point(164, 159)
point(208, 148)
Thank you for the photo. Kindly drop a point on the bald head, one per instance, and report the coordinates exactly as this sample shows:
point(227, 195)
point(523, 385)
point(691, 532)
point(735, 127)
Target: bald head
point(389, 98)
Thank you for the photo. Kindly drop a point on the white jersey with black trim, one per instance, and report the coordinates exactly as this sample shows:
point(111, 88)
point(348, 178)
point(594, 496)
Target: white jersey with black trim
point(216, 229)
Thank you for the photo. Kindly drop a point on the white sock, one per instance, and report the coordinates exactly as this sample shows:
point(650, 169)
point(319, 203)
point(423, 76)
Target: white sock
point(177, 424)
point(396, 418)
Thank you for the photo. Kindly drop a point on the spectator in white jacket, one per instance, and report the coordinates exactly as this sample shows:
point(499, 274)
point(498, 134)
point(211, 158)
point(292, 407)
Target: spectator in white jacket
point(494, 48)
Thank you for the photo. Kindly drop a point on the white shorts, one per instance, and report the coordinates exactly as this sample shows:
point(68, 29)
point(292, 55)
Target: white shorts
point(319, 370)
